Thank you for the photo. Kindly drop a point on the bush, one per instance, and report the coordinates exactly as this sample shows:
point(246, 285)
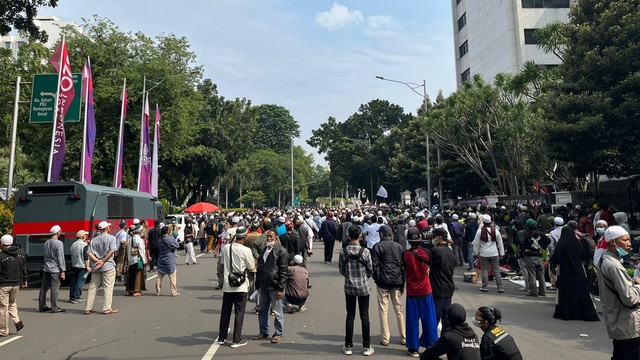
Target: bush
point(6, 216)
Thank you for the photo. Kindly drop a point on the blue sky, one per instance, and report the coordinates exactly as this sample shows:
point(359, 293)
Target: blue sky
point(315, 58)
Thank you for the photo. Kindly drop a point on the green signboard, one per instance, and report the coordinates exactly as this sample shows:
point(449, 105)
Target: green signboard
point(43, 98)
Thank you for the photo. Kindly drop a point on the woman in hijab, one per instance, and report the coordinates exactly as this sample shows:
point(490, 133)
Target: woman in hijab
point(460, 342)
point(573, 300)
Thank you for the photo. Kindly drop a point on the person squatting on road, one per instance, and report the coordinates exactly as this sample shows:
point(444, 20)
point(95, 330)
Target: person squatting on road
point(619, 296)
point(13, 275)
point(356, 267)
point(459, 342)
point(496, 343)
point(236, 259)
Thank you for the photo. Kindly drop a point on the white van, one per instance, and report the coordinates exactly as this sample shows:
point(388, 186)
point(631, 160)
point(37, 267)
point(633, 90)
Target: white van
point(181, 221)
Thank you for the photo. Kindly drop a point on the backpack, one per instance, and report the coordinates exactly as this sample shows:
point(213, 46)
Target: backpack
point(358, 257)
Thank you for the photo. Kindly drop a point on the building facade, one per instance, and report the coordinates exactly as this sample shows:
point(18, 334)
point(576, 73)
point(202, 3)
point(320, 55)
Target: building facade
point(49, 23)
point(494, 36)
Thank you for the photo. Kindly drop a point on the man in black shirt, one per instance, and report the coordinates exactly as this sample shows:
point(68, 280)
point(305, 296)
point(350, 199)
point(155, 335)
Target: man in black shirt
point(443, 264)
point(154, 237)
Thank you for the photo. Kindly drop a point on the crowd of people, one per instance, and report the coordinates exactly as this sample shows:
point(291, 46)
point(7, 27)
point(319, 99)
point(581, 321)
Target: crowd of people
point(262, 256)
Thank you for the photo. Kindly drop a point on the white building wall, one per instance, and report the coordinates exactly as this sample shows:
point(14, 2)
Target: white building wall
point(50, 24)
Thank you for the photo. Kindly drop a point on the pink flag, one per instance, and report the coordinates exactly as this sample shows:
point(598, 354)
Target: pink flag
point(154, 164)
point(89, 134)
point(117, 176)
point(64, 95)
point(144, 170)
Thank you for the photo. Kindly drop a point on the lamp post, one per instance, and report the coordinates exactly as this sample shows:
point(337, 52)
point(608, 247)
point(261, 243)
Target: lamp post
point(413, 86)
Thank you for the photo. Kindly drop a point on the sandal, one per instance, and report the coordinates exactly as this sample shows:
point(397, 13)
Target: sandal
point(276, 339)
point(110, 311)
point(260, 337)
point(88, 312)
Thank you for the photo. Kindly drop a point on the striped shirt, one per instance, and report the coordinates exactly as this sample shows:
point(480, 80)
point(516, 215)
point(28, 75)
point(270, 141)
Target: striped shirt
point(355, 272)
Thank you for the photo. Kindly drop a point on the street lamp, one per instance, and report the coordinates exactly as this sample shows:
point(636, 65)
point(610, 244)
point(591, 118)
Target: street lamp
point(413, 87)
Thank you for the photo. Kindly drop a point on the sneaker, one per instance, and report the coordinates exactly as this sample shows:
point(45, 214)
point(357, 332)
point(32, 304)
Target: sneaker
point(551, 288)
point(73, 301)
point(500, 290)
point(347, 350)
point(368, 351)
point(483, 289)
point(413, 353)
point(289, 309)
point(58, 310)
point(81, 300)
point(238, 344)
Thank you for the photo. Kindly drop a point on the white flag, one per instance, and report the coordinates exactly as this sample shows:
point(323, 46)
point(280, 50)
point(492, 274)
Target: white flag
point(382, 192)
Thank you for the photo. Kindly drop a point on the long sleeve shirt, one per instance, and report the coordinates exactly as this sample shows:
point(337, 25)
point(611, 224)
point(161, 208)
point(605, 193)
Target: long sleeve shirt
point(54, 256)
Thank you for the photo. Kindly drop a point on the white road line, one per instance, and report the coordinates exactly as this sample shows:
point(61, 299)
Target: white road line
point(212, 350)
point(10, 340)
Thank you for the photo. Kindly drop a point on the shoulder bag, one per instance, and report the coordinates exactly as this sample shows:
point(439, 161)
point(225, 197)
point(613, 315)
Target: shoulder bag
point(236, 278)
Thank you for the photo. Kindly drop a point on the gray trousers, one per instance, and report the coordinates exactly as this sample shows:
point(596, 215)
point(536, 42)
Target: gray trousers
point(494, 262)
point(535, 271)
point(50, 281)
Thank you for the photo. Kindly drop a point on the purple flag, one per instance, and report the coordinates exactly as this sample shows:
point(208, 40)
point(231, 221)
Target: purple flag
point(89, 136)
point(144, 173)
point(154, 165)
point(117, 176)
point(64, 95)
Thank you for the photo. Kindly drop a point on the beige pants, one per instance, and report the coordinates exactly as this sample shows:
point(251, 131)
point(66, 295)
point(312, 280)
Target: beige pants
point(105, 280)
point(8, 307)
point(172, 283)
point(383, 307)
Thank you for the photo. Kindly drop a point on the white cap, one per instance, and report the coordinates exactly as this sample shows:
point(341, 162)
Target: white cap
point(455, 217)
point(420, 214)
point(55, 229)
point(558, 221)
point(6, 240)
point(298, 259)
point(103, 224)
point(135, 222)
point(235, 219)
point(503, 207)
point(412, 223)
point(614, 232)
point(161, 225)
point(473, 215)
point(486, 218)
point(81, 233)
point(379, 213)
point(281, 219)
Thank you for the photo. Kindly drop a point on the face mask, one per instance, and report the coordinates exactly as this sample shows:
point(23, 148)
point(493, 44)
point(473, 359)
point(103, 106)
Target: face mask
point(477, 323)
point(297, 226)
point(271, 243)
point(622, 252)
point(600, 231)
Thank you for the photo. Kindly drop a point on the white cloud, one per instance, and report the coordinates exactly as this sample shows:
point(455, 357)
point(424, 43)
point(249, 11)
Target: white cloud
point(379, 21)
point(338, 17)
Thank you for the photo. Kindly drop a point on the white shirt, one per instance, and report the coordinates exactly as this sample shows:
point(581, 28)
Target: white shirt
point(373, 236)
point(242, 260)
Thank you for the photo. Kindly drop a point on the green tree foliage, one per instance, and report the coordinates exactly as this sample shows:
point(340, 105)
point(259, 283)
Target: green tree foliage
point(255, 198)
point(275, 128)
point(19, 14)
point(594, 111)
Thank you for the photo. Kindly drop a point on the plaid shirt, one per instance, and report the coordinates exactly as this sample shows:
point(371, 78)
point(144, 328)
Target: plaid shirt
point(355, 273)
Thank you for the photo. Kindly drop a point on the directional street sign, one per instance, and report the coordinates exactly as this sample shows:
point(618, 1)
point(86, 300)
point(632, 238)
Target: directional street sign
point(43, 98)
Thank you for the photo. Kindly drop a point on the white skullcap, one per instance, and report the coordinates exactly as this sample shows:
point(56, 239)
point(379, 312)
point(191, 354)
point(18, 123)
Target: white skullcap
point(298, 259)
point(235, 219)
point(412, 223)
point(455, 217)
point(614, 232)
point(136, 221)
point(55, 229)
point(81, 233)
point(602, 222)
point(558, 221)
point(103, 224)
point(6, 240)
point(473, 215)
point(486, 218)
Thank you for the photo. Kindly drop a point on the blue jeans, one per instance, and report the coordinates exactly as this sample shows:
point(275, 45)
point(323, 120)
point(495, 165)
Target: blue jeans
point(77, 281)
point(269, 298)
point(420, 310)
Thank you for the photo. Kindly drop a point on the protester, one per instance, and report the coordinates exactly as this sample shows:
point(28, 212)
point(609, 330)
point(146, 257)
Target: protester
point(441, 276)
point(189, 238)
point(459, 342)
point(53, 272)
point(496, 342)
point(329, 234)
point(103, 273)
point(356, 267)
point(297, 289)
point(236, 258)
point(167, 247)
point(79, 266)
point(13, 275)
point(534, 242)
point(136, 253)
point(155, 234)
point(487, 244)
point(619, 296)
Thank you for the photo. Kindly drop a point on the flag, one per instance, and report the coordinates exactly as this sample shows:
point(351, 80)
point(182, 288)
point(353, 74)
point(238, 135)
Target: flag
point(89, 134)
point(64, 95)
point(154, 164)
point(382, 192)
point(144, 170)
point(117, 176)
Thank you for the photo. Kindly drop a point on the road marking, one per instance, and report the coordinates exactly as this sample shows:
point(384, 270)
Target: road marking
point(10, 340)
point(213, 348)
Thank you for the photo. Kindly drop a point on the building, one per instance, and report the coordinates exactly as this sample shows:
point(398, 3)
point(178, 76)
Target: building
point(49, 23)
point(494, 36)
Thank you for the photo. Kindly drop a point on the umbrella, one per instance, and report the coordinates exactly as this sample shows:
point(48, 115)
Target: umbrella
point(201, 207)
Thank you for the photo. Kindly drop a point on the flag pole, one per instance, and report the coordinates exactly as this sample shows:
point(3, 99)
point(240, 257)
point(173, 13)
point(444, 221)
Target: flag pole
point(55, 112)
point(145, 99)
point(83, 153)
point(117, 180)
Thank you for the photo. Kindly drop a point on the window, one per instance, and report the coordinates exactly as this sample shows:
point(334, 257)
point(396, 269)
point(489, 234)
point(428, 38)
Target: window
point(119, 207)
point(462, 21)
point(530, 36)
point(557, 4)
point(7, 44)
point(464, 48)
point(466, 75)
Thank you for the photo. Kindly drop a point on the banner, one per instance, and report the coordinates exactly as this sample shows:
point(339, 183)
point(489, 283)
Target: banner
point(117, 176)
point(89, 133)
point(144, 169)
point(382, 192)
point(64, 95)
point(154, 164)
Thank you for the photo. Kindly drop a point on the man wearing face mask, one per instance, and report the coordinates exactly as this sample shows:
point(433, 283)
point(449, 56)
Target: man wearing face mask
point(271, 279)
point(619, 296)
point(601, 247)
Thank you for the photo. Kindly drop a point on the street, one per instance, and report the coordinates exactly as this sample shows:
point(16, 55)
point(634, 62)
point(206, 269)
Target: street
point(185, 327)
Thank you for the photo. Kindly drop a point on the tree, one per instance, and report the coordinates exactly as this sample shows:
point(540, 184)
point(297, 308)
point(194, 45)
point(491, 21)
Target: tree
point(19, 14)
point(595, 109)
point(255, 198)
point(275, 128)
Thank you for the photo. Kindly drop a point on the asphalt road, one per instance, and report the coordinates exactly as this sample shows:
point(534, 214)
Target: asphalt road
point(185, 327)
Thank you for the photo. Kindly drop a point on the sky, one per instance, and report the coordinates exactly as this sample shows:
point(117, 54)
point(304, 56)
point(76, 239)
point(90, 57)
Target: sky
point(315, 58)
